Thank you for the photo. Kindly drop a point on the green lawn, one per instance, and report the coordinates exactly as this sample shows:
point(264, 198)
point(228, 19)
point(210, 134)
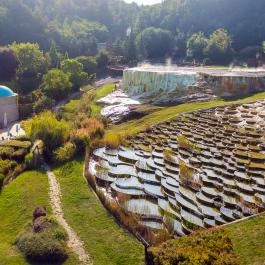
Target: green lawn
point(248, 238)
point(104, 240)
point(17, 202)
point(72, 105)
point(100, 93)
point(166, 113)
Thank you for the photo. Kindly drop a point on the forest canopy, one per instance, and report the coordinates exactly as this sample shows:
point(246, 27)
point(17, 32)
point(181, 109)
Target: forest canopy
point(78, 26)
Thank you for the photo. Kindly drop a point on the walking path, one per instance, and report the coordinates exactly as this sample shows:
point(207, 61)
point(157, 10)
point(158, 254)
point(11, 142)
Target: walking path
point(74, 241)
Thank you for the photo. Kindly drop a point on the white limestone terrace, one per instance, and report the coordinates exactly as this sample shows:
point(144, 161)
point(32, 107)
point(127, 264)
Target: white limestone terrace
point(154, 83)
point(220, 71)
point(224, 149)
point(117, 105)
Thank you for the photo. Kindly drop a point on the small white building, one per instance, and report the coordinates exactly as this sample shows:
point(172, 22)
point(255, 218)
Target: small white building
point(8, 106)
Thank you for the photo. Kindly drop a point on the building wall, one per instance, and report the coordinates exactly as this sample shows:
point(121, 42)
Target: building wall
point(9, 106)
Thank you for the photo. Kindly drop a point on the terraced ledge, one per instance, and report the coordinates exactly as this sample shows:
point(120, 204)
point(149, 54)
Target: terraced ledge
point(203, 178)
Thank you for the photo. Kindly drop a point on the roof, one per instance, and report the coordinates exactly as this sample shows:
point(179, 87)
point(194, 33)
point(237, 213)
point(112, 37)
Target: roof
point(6, 92)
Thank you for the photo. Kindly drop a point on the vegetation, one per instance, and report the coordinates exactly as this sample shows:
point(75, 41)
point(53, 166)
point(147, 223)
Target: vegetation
point(44, 240)
point(12, 159)
point(77, 28)
point(248, 237)
point(166, 113)
point(47, 128)
point(32, 64)
point(17, 202)
point(75, 70)
point(87, 105)
point(104, 240)
point(153, 42)
point(56, 84)
point(9, 64)
point(203, 247)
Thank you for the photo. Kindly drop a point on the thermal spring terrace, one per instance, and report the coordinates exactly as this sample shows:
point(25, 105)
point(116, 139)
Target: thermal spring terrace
point(199, 170)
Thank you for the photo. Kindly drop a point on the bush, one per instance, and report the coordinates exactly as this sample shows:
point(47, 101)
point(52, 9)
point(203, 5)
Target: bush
point(6, 166)
point(2, 178)
point(90, 132)
point(6, 152)
point(19, 155)
point(65, 153)
point(112, 141)
point(210, 247)
point(42, 247)
point(47, 128)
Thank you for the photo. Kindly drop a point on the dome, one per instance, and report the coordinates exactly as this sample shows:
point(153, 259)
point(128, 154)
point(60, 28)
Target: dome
point(6, 92)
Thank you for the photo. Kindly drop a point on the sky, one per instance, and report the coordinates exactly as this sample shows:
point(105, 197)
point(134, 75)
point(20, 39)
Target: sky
point(145, 2)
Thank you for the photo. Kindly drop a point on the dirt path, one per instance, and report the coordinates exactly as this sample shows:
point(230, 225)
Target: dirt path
point(74, 241)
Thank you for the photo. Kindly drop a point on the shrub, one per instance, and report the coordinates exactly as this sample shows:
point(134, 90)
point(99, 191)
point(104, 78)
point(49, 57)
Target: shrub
point(6, 166)
point(90, 132)
point(2, 178)
point(42, 247)
point(112, 141)
point(19, 155)
point(47, 128)
point(16, 144)
point(65, 153)
point(210, 247)
point(6, 152)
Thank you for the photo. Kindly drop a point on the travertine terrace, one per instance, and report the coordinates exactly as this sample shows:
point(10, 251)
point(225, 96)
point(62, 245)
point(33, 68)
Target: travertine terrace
point(161, 84)
point(199, 170)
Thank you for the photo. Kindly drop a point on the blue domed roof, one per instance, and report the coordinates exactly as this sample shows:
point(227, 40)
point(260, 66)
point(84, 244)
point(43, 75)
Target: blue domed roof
point(5, 92)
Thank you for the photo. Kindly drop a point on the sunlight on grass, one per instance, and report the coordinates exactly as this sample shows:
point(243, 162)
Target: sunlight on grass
point(104, 240)
point(17, 202)
point(167, 113)
point(248, 238)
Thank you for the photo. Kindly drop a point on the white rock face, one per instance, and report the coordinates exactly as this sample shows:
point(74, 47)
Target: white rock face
point(118, 97)
point(160, 82)
point(119, 105)
point(146, 82)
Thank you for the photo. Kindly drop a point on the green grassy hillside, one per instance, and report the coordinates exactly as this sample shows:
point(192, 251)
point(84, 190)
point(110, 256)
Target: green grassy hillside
point(104, 240)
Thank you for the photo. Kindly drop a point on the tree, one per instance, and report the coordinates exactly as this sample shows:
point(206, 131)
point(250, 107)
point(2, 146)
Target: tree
point(75, 69)
point(130, 52)
point(219, 47)
point(8, 64)
point(32, 65)
point(47, 128)
point(103, 58)
point(196, 45)
point(89, 64)
point(55, 56)
point(31, 58)
point(154, 42)
point(56, 84)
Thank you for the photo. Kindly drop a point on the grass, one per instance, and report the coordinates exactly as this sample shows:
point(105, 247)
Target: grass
point(100, 93)
point(104, 240)
point(73, 105)
point(17, 202)
point(167, 113)
point(248, 238)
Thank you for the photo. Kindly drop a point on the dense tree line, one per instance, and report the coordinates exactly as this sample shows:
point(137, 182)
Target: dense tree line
point(77, 26)
point(50, 47)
